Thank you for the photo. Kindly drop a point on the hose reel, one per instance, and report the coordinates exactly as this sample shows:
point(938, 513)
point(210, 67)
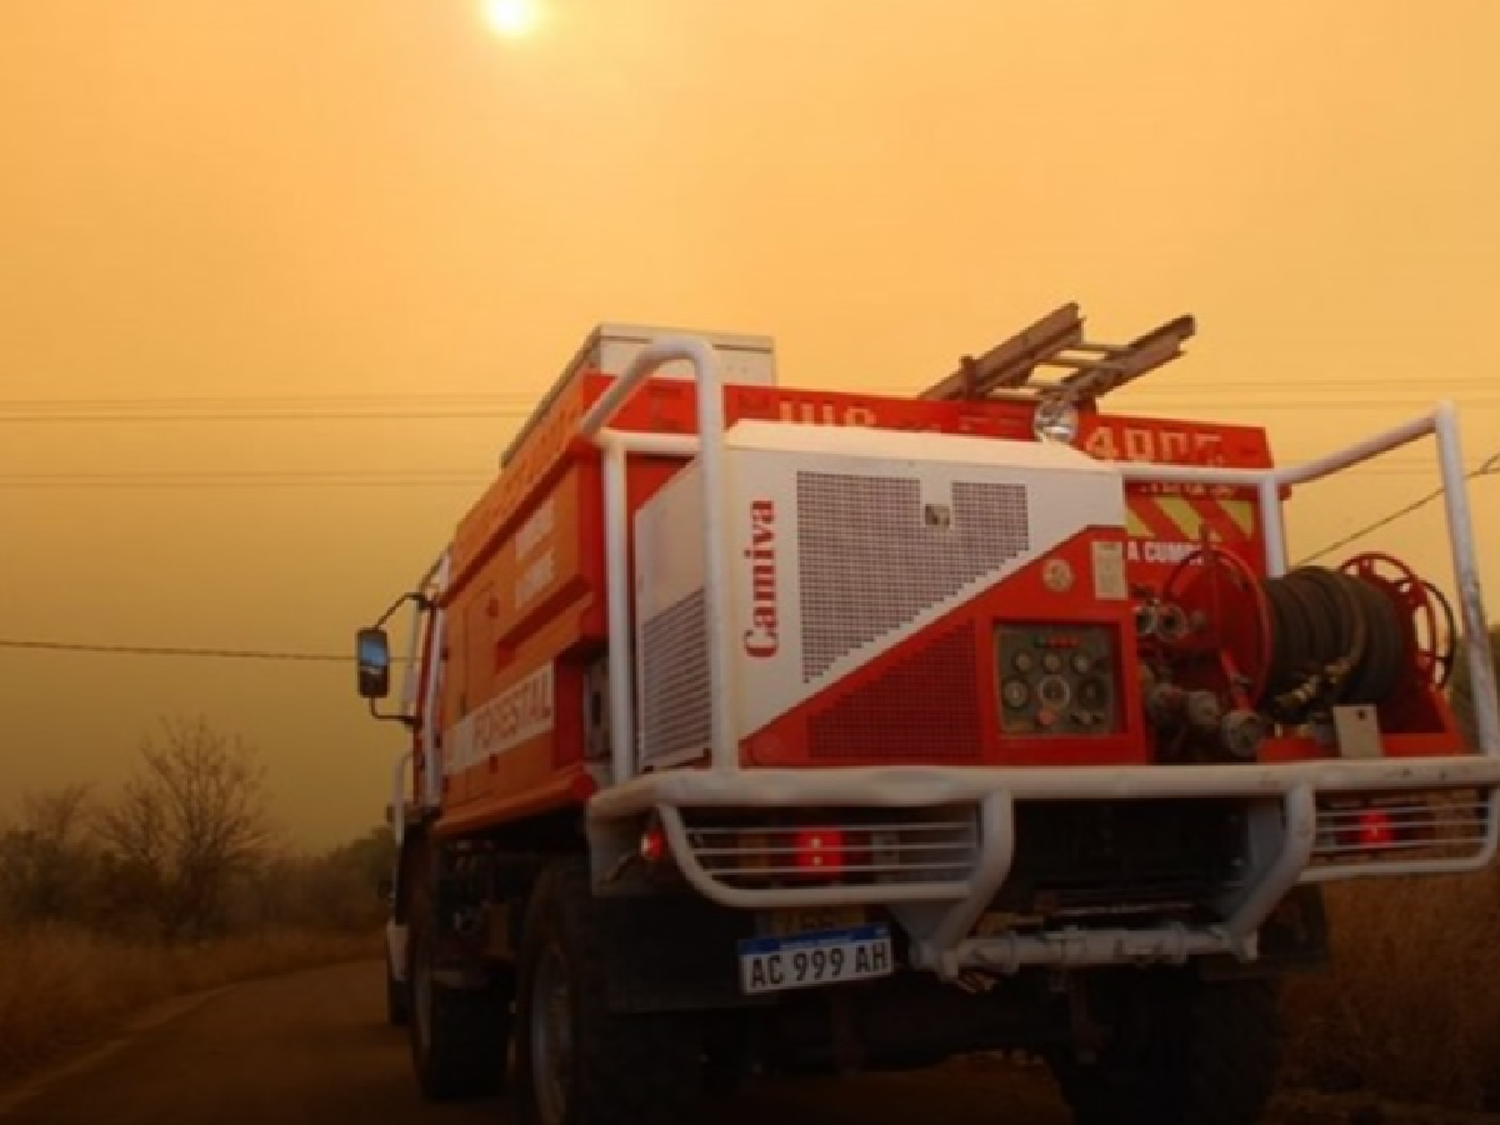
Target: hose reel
point(1314, 638)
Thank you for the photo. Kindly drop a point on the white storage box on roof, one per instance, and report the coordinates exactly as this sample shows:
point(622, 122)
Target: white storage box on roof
point(611, 348)
point(744, 360)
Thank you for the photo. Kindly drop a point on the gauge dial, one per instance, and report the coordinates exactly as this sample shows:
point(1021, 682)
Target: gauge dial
point(1017, 694)
point(1054, 692)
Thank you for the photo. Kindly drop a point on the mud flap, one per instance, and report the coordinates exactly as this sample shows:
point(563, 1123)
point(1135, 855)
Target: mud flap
point(673, 954)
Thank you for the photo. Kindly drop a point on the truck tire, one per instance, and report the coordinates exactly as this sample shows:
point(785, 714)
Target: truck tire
point(459, 1037)
point(578, 1062)
point(1188, 1052)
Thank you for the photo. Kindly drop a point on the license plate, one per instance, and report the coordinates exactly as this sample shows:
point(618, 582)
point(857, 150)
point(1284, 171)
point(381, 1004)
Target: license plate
point(774, 964)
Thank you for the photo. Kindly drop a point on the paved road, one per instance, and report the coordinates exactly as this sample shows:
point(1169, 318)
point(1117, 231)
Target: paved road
point(313, 1049)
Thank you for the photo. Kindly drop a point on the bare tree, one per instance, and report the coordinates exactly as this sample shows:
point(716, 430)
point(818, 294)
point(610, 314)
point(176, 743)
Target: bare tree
point(46, 860)
point(193, 819)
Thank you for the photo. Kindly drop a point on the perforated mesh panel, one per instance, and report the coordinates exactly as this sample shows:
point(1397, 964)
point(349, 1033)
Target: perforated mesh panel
point(675, 700)
point(925, 707)
point(873, 557)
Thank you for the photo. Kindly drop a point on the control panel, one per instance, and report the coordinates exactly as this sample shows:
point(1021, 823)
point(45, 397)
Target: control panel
point(1057, 679)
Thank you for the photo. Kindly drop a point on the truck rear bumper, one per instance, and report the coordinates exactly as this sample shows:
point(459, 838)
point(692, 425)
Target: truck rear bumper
point(1294, 835)
point(902, 786)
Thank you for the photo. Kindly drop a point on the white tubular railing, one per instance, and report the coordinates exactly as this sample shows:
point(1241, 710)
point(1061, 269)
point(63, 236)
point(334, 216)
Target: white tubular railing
point(710, 452)
point(430, 792)
point(411, 685)
point(398, 796)
point(943, 910)
point(1476, 630)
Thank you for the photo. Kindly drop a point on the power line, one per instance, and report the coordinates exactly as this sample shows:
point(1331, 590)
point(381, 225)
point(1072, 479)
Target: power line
point(268, 407)
point(292, 484)
point(211, 479)
point(517, 404)
point(168, 650)
point(213, 474)
point(1488, 468)
point(228, 480)
point(160, 417)
point(262, 402)
point(1365, 388)
point(212, 486)
point(268, 415)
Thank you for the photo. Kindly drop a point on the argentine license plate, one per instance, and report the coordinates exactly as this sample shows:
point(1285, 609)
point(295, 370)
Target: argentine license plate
point(773, 964)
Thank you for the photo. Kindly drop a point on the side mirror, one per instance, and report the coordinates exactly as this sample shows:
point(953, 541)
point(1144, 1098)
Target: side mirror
point(374, 664)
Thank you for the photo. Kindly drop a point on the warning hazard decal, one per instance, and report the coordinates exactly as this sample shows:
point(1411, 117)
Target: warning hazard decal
point(1165, 528)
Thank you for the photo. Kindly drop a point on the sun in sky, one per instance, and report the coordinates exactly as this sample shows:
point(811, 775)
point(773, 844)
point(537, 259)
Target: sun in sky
point(511, 19)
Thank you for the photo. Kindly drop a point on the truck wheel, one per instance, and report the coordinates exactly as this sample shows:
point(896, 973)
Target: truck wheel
point(578, 1062)
point(459, 1036)
point(1186, 1052)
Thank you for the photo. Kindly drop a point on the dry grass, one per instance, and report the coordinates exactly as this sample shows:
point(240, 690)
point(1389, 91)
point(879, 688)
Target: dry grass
point(63, 987)
point(1409, 1008)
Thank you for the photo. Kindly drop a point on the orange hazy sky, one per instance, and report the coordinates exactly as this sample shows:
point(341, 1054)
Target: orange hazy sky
point(389, 229)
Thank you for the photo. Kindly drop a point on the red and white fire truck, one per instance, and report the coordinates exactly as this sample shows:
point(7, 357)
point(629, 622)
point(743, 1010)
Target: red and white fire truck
point(758, 729)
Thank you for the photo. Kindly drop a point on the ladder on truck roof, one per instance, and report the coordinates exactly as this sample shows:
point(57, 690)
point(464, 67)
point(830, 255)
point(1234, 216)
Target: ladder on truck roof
point(1010, 369)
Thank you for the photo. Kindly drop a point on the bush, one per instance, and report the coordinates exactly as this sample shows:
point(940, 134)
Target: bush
point(1406, 1009)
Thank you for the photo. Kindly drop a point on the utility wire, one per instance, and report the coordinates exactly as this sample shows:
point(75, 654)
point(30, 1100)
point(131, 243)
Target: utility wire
point(519, 404)
point(1395, 466)
point(220, 486)
point(236, 399)
point(166, 650)
point(229, 480)
point(529, 395)
point(1489, 468)
point(123, 417)
point(492, 414)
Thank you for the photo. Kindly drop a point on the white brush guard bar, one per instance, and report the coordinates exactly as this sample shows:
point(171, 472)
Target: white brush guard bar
point(940, 913)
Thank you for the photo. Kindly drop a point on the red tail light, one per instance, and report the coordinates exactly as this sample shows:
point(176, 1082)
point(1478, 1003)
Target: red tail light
point(819, 849)
point(1375, 829)
point(654, 843)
